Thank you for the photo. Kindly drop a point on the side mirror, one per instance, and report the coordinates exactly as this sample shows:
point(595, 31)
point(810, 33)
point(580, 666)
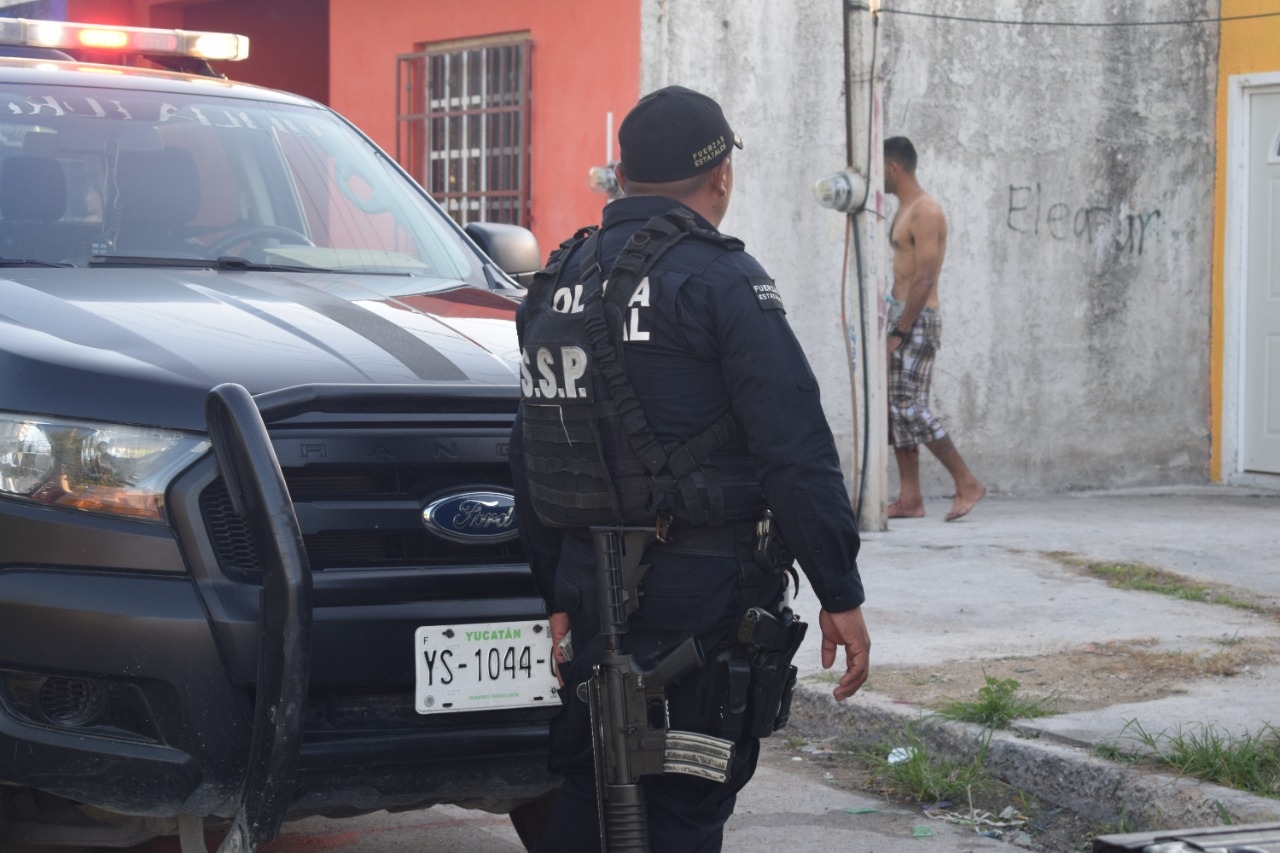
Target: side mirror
point(513, 249)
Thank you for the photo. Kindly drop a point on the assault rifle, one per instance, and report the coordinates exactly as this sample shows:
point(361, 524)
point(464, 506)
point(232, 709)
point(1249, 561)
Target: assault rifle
point(629, 731)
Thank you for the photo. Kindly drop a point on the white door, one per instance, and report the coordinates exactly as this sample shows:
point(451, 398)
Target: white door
point(1261, 428)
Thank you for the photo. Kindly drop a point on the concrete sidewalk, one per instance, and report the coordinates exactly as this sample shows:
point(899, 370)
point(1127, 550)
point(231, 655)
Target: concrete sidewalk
point(987, 588)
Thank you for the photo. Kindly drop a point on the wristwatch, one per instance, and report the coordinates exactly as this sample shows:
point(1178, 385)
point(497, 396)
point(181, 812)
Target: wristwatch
point(895, 332)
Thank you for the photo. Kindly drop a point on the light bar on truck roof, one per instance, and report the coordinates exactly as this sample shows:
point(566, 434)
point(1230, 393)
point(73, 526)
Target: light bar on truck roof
point(142, 40)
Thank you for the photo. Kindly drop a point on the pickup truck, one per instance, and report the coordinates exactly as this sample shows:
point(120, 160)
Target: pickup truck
point(258, 551)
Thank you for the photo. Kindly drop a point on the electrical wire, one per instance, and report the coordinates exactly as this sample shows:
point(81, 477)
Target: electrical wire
point(852, 235)
point(851, 347)
point(848, 93)
point(1095, 24)
point(866, 381)
point(857, 252)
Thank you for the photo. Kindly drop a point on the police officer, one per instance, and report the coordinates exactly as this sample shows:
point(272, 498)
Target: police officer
point(707, 350)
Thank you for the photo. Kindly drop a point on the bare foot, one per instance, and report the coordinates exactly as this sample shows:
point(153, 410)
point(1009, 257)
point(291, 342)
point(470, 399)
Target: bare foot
point(965, 501)
point(898, 510)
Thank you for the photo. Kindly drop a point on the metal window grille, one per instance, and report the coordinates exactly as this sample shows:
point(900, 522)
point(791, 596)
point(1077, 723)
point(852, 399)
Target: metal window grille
point(463, 127)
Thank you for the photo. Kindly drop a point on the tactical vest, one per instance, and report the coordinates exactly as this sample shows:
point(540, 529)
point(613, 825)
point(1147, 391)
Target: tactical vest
point(590, 454)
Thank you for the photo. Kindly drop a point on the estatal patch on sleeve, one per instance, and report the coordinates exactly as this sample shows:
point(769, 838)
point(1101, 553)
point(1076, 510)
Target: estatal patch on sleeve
point(767, 295)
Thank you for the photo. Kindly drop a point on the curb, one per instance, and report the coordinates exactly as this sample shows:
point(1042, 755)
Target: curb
point(1064, 774)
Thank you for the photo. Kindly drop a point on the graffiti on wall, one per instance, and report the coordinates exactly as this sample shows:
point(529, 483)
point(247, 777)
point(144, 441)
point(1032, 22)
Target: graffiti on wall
point(1034, 213)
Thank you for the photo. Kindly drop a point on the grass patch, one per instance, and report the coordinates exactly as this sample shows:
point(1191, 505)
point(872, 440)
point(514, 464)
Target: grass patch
point(1139, 576)
point(997, 705)
point(958, 792)
point(1248, 762)
point(1115, 752)
point(908, 768)
point(1149, 579)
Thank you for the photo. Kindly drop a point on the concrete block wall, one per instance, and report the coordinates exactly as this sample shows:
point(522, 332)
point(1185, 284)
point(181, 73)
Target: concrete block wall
point(1076, 166)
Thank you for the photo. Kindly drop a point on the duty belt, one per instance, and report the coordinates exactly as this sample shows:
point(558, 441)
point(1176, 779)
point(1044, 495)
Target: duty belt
point(717, 541)
point(722, 541)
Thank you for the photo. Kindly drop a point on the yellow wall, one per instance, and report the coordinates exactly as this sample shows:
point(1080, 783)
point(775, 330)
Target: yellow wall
point(1247, 47)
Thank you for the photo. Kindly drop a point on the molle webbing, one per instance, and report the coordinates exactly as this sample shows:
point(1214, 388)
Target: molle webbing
point(575, 483)
point(569, 482)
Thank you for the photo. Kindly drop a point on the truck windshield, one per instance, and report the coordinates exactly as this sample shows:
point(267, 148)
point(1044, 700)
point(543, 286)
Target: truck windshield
point(93, 177)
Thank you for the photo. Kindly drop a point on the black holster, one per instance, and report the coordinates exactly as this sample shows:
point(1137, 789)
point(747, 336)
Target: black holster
point(772, 643)
point(746, 690)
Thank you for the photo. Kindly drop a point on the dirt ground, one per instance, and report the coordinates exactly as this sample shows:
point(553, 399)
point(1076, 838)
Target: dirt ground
point(1093, 676)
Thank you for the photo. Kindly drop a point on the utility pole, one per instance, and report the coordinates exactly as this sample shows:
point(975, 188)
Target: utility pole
point(865, 142)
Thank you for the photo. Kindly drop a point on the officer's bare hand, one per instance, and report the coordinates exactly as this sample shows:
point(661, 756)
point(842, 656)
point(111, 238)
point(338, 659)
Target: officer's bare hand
point(849, 630)
point(559, 627)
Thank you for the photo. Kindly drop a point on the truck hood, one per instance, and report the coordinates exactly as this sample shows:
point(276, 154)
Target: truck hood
point(144, 346)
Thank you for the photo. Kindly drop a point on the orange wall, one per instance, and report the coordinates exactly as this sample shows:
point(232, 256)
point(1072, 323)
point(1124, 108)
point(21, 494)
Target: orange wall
point(585, 63)
point(1247, 47)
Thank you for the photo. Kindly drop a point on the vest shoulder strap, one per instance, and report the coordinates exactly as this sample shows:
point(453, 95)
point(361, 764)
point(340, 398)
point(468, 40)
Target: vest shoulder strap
point(558, 254)
point(547, 279)
point(603, 310)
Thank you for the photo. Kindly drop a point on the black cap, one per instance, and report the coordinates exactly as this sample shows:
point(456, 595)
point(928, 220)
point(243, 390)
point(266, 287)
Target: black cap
point(673, 134)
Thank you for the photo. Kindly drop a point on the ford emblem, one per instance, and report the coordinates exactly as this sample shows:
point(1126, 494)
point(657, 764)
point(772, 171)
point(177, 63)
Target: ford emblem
point(473, 517)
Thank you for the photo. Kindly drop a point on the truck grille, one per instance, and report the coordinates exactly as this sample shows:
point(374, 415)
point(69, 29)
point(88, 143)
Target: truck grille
point(359, 496)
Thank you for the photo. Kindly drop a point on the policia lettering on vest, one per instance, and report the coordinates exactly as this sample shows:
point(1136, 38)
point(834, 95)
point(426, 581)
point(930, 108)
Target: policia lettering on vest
point(671, 462)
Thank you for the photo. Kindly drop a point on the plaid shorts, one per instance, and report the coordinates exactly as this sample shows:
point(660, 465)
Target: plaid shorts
point(910, 372)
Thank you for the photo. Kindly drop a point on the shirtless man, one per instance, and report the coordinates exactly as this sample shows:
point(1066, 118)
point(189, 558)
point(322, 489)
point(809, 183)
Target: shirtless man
point(919, 238)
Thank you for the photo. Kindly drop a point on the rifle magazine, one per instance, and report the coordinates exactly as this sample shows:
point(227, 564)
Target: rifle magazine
point(696, 754)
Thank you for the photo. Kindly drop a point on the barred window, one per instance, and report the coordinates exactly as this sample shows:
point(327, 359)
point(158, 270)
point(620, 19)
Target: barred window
point(463, 126)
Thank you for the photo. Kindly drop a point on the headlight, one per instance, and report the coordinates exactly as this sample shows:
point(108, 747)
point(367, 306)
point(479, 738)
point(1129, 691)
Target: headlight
point(105, 468)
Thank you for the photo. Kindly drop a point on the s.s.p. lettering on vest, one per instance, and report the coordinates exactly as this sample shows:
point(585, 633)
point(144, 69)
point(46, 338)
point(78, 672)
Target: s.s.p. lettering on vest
point(558, 370)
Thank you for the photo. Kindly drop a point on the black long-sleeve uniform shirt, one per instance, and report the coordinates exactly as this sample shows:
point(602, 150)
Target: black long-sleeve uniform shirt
point(708, 333)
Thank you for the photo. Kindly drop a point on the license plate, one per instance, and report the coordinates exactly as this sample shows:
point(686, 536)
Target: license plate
point(483, 666)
